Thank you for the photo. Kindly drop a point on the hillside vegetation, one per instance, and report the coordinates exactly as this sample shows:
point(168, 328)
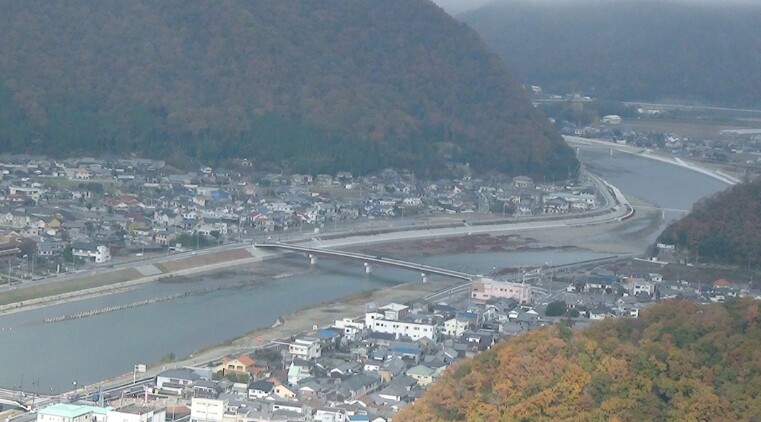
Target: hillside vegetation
point(679, 361)
point(307, 86)
point(656, 50)
point(724, 228)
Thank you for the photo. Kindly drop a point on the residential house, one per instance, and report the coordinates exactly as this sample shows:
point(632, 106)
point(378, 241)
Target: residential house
point(298, 371)
point(240, 365)
point(175, 380)
point(91, 252)
point(283, 391)
point(305, 347)
point(422, 374)
point(260, 389)
point(456, 326)
point(330, 415)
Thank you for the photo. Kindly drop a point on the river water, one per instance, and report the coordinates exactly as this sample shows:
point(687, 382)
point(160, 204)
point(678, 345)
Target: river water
point(49, 358)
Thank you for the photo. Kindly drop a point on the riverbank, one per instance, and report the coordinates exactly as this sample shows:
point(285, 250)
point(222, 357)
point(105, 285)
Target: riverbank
point(293, 323)
point(579, 237)
point(35, 297)
point(702, 168)
point(110, 281)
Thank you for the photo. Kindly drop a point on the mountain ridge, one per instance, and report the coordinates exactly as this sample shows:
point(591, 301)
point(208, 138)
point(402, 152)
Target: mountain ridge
point(697, 52)
point(305, 86)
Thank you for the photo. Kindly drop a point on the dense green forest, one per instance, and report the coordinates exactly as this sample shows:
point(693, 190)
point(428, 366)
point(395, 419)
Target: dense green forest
point(306, 86)
point(655, 50)
point(679, 361)
point(724, 228)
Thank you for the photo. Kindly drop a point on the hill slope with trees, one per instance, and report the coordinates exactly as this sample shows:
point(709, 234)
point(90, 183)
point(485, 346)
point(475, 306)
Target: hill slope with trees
point(309, 86)
point(724, 228)
point(677, 361)
point(654, 50)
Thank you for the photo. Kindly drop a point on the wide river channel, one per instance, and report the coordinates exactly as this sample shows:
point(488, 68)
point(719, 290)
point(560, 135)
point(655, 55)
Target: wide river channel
point(51, 357)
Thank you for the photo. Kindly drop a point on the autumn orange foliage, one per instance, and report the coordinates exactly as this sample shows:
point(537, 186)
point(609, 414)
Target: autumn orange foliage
point(679, 361)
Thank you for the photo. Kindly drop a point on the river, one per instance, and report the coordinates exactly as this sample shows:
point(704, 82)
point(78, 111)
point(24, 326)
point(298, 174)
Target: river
point(49, 358)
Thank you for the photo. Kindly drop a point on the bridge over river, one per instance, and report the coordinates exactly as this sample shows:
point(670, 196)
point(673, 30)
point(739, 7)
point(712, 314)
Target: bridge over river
point(369, 260)
point(16, 398)
point(424, 270)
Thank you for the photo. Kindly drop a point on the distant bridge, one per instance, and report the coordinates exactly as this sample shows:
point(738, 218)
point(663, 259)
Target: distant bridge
point(370, 260)
point(18, 398)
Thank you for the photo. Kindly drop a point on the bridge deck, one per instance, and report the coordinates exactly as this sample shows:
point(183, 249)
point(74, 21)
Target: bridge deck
point(427, 269)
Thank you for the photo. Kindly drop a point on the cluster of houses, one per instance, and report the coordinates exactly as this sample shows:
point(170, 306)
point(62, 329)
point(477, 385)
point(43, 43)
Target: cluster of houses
point(739, 148)
point(369, 367)
point(607, 294)
point(89, 210)
point(357, 369)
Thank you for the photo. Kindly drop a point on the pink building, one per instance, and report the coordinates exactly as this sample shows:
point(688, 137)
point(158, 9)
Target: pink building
point(484, 289)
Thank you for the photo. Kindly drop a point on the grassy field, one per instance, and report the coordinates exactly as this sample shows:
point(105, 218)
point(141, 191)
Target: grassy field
point(57, 288)
point(202, 260)
point(690, 128)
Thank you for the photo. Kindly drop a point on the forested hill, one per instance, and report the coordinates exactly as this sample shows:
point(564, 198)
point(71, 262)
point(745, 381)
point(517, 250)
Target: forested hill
point(679, 361)
point(311, 86)
point(657, 50)
point(724, 228)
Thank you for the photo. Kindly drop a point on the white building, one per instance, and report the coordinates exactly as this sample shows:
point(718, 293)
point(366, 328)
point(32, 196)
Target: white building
point(31, 192)
point(330, 415)
point(305, 348)
point(413, 330)
point(394, 311)
point(455, 327)
point(207, 410)
point(351, 329)
point(136, 413)
point(642, 288)
point(89, 252)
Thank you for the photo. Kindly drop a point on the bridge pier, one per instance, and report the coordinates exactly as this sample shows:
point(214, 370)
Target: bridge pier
point(424, 276)
point(312, 259)
point(368, 268)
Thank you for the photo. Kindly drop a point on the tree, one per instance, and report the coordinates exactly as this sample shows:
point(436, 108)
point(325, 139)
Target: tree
point(448, 99)
point(556, 308)
point(677, 361)
point(68, 254)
